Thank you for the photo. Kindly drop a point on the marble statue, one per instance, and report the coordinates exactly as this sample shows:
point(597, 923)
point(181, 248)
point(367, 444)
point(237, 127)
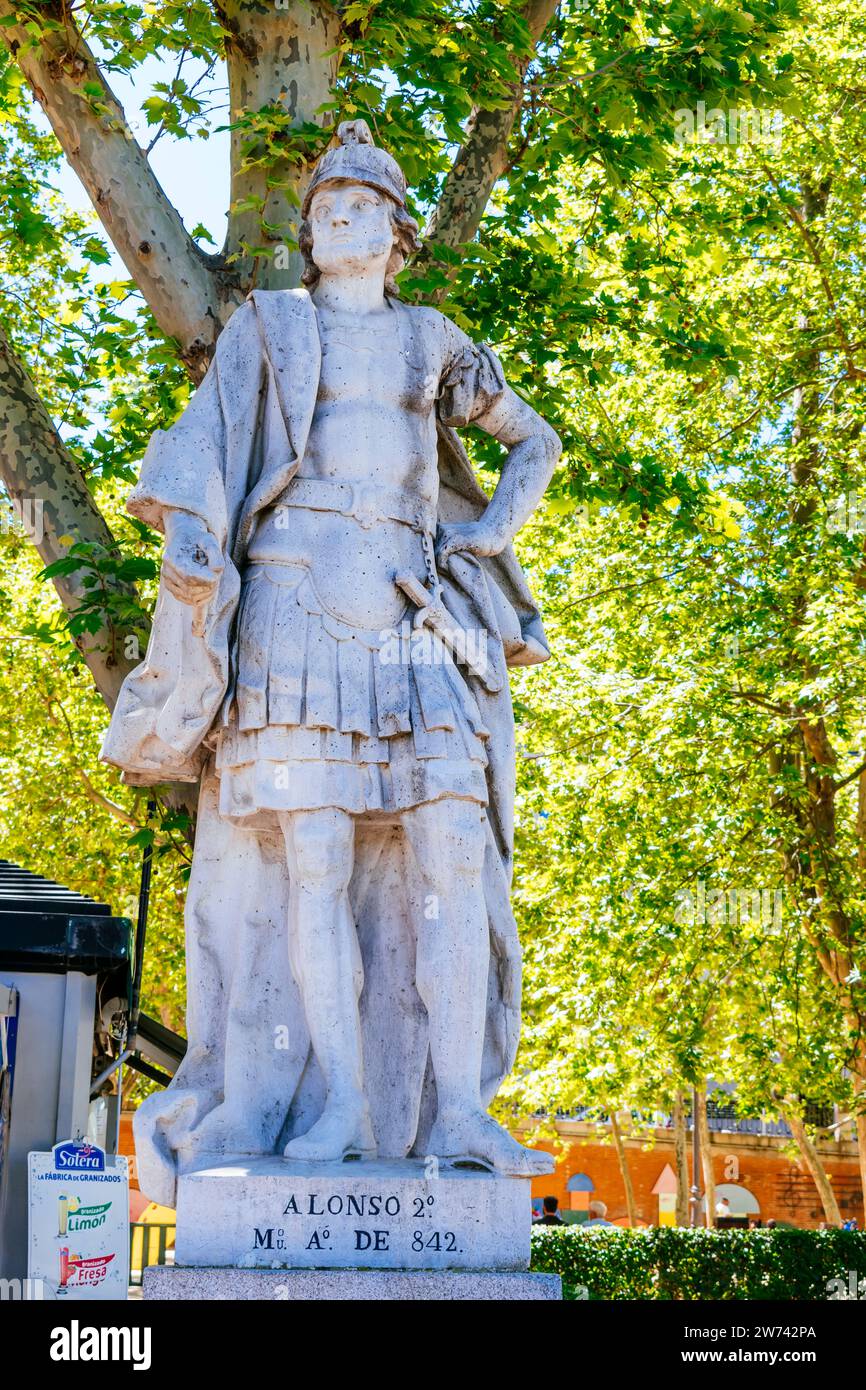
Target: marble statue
point(338, 605)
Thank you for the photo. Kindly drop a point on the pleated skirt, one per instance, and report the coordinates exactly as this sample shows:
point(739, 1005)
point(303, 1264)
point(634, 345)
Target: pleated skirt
point(321, 713)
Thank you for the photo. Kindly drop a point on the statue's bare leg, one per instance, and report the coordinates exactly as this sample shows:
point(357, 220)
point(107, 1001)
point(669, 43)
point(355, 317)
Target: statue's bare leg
point(453, 959)
point(326, 961)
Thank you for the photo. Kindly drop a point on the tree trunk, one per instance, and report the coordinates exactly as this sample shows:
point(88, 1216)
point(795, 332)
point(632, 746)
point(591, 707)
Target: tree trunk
point(282, 63)
point(812, 1159)
point(624, 1169)
point(809, 860)
point(681, 1158)
point(52, 499)
point(706, 1157)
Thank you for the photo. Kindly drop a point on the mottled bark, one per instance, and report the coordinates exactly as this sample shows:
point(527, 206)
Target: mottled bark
point(706, 1157)
point(182, 288)
point(681, 1159)
point(51, 497)
point(625, 1171)
point(812, 1160)
point(281, 63)
point(480, 161)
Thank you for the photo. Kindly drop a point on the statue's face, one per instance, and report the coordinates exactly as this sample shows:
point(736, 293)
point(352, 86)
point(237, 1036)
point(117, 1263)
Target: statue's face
point(351, 228)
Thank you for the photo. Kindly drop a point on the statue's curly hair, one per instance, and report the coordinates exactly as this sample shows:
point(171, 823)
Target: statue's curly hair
point(406, 241)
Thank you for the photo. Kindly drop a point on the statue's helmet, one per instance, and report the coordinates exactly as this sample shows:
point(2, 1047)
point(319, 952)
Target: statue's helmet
point(357, 160)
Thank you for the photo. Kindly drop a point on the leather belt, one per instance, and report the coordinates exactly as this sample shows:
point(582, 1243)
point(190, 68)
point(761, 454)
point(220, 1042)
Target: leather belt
point(366, 502)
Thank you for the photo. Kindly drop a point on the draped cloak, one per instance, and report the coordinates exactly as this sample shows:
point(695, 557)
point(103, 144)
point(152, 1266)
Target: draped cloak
point(249, 1081)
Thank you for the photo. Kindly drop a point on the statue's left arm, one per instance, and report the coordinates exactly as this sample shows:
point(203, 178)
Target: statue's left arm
point(479, 395)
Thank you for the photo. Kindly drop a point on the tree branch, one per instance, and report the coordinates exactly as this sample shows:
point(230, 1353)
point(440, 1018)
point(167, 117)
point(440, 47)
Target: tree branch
point(282, 62)
point(800, 219)
point(52, 500)
point(189, 295)
point(480, 161)
point(92, 793)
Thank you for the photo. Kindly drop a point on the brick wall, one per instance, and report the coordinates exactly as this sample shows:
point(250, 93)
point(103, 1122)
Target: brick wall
point(782, 1187)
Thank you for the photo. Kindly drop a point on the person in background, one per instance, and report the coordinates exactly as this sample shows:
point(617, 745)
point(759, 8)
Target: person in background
point(723, 1207)
point(597, 1215)
point(551, 1216)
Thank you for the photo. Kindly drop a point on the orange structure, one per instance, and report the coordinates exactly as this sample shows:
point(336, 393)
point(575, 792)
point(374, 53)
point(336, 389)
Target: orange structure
point(756, 1172)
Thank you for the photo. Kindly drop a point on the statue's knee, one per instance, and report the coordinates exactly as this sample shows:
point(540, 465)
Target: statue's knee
point(451, 842)
point(321, 851)
point(465, 844)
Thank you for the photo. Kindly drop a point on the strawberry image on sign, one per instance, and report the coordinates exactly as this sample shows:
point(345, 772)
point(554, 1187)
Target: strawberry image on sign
point(76, 1271)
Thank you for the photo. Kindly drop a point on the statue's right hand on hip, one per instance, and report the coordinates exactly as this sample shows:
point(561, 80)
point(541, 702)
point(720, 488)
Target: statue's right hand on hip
point(193, 562)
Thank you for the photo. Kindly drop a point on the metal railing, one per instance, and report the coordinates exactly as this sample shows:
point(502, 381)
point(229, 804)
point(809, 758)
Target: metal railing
point(721, 1117)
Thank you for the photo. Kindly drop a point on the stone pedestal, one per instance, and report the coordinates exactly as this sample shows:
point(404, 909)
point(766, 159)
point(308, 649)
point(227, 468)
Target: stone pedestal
point(273, 1213)
point(365, 1285)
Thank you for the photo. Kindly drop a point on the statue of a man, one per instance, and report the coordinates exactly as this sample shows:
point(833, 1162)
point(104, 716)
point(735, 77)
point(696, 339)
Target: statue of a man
point(357, 790)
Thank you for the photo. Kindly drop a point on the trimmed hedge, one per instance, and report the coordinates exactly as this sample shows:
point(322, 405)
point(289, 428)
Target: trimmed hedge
point(668, 1262)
